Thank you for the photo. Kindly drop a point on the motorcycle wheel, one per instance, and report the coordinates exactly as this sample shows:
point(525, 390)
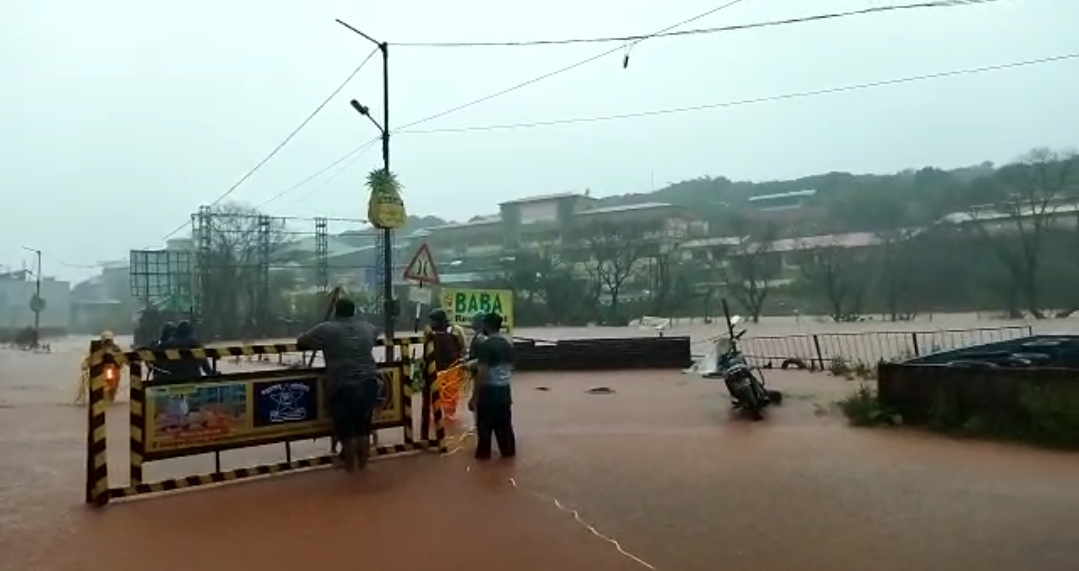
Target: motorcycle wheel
point(751, 403)
point(775, 397)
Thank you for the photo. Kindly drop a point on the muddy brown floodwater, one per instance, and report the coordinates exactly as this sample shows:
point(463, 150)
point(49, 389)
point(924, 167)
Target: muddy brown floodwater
point(659, 466)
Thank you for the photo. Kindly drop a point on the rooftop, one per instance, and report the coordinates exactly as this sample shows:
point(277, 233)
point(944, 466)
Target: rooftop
point(848, 240)
point(987, 213)
point(783, 195)
point(476, 221)
point(625, 208)
point(547, 197)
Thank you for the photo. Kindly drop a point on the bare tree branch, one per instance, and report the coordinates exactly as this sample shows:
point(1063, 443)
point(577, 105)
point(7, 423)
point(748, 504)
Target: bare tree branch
point(612, 255)
point(840, 273)
point(749, 265)
point(1023, 199)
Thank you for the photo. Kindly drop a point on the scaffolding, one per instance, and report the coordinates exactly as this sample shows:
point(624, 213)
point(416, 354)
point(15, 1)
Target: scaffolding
point(202, 233)
point(322, 248)
point(259, 275)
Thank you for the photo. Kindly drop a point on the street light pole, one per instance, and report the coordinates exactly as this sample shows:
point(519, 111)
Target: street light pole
point(388, 306)
point(34, 304)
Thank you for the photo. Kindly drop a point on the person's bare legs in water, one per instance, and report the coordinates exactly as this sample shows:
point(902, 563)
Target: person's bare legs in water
point(350, 452)
point(347, 345)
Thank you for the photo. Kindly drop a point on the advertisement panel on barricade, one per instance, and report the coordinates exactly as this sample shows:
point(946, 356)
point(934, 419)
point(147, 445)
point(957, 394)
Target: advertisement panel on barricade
point(461, 304)
point(250, 409)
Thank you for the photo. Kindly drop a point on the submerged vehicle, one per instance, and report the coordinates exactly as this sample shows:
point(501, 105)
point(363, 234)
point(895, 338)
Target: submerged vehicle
point(744, 383)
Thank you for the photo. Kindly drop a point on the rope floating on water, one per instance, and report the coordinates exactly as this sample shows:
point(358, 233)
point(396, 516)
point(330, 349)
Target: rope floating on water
point(457, 444)
point(591, 528)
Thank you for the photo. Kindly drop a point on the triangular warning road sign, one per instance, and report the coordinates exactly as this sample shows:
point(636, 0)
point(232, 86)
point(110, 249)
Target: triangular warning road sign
point(422, 267)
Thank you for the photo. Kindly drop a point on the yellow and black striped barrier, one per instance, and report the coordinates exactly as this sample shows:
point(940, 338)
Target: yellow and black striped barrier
point(221, 353)
point(151, 419)
point(97, 464)
point(431, 376)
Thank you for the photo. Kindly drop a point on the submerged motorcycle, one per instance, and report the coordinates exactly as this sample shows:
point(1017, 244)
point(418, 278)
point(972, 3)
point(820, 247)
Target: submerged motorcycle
point(744, 383)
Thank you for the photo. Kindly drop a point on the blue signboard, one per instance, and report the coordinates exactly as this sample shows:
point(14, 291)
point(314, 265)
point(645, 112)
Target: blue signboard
point(285, 401)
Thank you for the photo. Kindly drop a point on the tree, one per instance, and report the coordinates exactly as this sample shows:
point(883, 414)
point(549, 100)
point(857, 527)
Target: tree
point(840, 273)
point(749, 264)
point(895, 223)
point(668, 283)
point(242, 245)
point(1019, 207)
point(610, 253)
point(897, 260)
point(543, 279)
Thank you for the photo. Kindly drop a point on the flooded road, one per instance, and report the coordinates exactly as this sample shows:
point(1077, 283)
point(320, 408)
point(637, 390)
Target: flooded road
point(659, 466)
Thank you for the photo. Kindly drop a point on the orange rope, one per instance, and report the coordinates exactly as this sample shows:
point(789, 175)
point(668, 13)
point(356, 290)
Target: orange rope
point(452, 383)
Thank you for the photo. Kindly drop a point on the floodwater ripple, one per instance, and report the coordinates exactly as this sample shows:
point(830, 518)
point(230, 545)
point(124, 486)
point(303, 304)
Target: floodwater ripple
point(659, 466)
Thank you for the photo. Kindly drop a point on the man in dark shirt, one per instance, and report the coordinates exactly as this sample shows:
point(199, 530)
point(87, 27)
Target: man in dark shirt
point(491, 396)
point(168, 331)
point(448, 345)
point(189, 368)
point(352, 379)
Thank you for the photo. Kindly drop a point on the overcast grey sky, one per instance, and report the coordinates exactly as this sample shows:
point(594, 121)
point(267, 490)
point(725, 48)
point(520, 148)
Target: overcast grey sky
point(110, 105)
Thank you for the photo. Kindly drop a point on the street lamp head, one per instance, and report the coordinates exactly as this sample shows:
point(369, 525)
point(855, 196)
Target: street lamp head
point(363, 109)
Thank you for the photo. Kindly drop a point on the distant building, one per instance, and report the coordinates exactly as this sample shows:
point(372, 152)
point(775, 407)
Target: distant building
point(787, 210)
point(103, 301)
point(474, 249)
point(1060, 213)
point(781, 201)
point(16, 291)
point(782, 257)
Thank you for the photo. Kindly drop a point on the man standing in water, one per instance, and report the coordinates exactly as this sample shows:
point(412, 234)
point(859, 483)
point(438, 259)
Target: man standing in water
point(491, 398)
point(191, 368)
point(352, 382)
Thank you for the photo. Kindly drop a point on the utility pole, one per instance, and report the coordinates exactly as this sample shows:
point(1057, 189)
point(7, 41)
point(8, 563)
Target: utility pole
point(36, 304)
point(388, 305)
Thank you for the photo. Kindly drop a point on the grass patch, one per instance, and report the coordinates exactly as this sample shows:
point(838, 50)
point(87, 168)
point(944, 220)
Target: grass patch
point(1046, 417)
point(863, 408)
point(851, 370)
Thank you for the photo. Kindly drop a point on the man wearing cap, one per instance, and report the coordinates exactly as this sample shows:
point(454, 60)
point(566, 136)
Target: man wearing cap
point(190, 367)
point(491, 396)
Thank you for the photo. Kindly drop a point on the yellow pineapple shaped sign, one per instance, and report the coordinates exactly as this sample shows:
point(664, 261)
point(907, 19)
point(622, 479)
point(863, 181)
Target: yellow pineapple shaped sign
point(385, 209)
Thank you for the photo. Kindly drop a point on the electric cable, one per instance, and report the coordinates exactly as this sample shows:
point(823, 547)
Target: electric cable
point(348, 165)
point(503, 92)
point(564, 69)
point(736, 103)
point(630, 41)
point(700, 31)
point(355, 154)
point(282, 144)
point(750, 101)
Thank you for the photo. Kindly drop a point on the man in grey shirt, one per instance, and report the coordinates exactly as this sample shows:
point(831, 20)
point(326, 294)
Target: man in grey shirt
point(352, 378)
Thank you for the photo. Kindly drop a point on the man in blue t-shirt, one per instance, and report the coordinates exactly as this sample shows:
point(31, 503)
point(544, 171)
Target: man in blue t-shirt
point(491, 396)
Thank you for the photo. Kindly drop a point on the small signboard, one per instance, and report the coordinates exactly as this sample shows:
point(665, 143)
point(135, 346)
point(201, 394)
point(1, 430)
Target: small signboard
point(422, 267)
point(420, 295)
point(461, 305)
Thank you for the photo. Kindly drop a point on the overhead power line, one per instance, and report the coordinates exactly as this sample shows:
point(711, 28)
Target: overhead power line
point(565, 69)
point(699, 31)
point(627, 43)
point(355, 155)
point(282, 144)
point(734, 103)
point(754, 100)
